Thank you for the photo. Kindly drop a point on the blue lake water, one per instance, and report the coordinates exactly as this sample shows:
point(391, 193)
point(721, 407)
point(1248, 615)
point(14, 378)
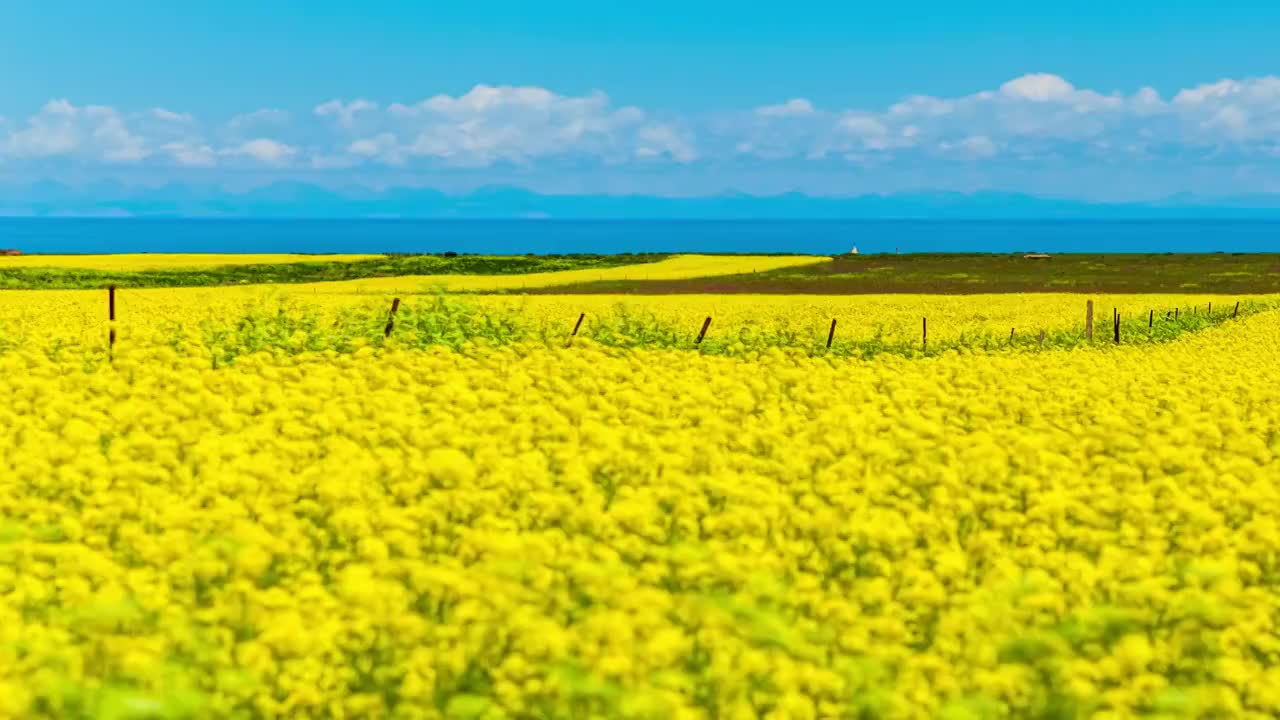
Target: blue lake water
point(507, 237)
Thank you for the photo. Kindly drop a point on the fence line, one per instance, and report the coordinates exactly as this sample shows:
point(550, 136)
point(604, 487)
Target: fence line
point(702, 333)
point(391, 319)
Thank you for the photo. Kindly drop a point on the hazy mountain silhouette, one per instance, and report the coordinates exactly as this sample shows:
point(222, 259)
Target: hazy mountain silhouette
point(303, 200)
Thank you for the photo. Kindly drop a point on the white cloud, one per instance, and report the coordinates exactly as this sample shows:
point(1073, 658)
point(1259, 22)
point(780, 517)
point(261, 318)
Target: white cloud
point(91, 132)
point(792, 108)
point(171, 116)
point(1038, 87)
point(113, 138)
point(53, 131)
point(923, 105)
point(344, 113)
point(187, 155)
point(1232, 110)
point(1037, 116)
point(1230, 119)
point(853, 134)
point(383, 146)
point(492, 124)
point(1208, 92)
point(263, 150)
point(483, 99)
point(664, 140)
point(795, 128)
point(973, 147)
point(1034, 115)
point(863, 125)
point(1032, 112)
point(1147, 102)
point(372, 147)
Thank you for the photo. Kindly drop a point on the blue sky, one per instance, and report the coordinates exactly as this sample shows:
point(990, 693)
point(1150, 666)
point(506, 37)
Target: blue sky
point(1098, 100)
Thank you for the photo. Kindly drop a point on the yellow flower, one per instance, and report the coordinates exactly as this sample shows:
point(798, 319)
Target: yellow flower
point(527, 529)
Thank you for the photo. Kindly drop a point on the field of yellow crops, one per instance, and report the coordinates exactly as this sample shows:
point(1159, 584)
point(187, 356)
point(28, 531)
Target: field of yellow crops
point(165, 261)
point(895, 317)
point(679, 267)
point(83, 313)
point(470, 521)
point(575, 532)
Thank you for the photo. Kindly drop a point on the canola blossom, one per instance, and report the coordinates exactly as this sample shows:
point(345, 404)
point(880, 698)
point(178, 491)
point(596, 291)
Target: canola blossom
point(78, 316)
point(166, 261)
point(679, 267)
point(892, 317)
point(528, 530)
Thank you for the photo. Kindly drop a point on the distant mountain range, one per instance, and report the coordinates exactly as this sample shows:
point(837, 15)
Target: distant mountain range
point(300, 200)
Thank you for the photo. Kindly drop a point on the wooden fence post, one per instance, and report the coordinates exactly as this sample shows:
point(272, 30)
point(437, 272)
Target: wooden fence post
point(391, 319)
point(1011, 335)
point(111, 315)
point(1236, 312)
point(1088, 320)
point(1117, 323)
point(1210, 310)
point(574, 334)
point(1151, 320)
point(703, 333)
point(924, 333)
point(831, 335)
point(1042, 338)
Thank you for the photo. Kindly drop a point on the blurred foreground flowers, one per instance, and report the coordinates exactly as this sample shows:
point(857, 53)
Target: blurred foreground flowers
point(268, 518)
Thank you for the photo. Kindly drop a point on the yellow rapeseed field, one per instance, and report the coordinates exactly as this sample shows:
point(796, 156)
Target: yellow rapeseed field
point(165, 261)
point(82, 313)
point(679, 267)
point(895, 317)
point(524, 529)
